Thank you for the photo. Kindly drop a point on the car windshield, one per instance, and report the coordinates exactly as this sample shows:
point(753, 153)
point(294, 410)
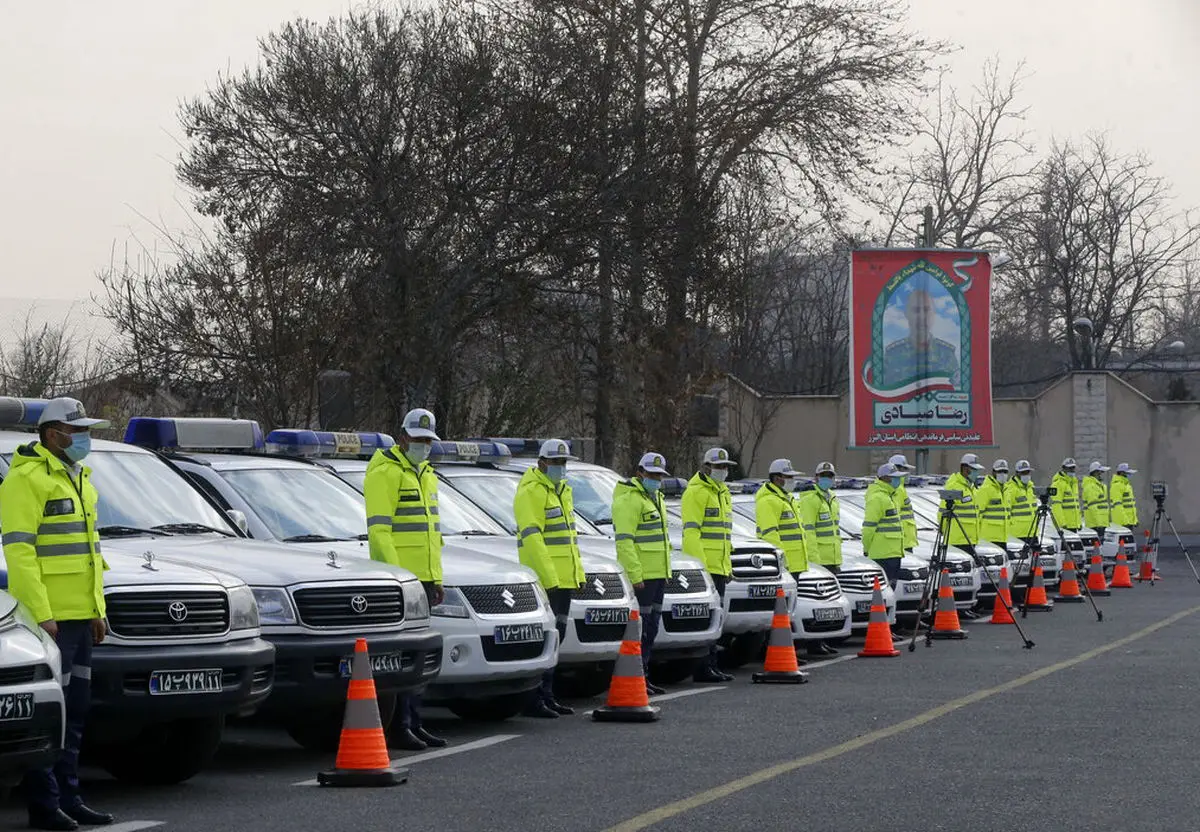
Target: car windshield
point(495, 492)
point(355, 478)
point(139, 490)
point(460, 516)
point(301, 502)
point(592, 490)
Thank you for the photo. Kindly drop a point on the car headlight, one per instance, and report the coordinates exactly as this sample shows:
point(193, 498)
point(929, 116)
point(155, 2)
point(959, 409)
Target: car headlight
point(274, 606)
point(416, 602)
point(243, 609)
point(540, 592)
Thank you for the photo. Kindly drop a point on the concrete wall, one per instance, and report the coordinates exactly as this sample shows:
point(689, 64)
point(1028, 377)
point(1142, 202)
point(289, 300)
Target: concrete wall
point(1092, 415)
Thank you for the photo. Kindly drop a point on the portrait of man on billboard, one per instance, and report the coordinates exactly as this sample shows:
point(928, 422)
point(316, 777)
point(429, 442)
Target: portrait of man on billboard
point(913, 323)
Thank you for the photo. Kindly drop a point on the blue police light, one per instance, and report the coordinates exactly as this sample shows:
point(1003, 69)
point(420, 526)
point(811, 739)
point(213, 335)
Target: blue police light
point(471, 451)
point(19, 412)
point(194, 434)
point(327, 444)
point(522, 446)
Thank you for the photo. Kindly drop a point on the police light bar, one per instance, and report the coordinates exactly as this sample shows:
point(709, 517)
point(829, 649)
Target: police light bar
point(522, 446)
point(471, 451)
point(194, 434)
point(327, 444)
point(673, 486)
point(20, 412)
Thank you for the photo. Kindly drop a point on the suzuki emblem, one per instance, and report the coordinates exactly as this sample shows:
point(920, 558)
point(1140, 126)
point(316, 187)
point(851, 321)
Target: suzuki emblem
point(359, 604)
point(599, 584)
point(756, 561)
point(178, 611)
point(509, 599)
point(683, 581)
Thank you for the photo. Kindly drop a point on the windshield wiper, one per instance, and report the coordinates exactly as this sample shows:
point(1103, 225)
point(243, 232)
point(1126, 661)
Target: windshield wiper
point(314, 538)
point(192, 528)
point(475, 533)
point(118, 530)
point(602, 521)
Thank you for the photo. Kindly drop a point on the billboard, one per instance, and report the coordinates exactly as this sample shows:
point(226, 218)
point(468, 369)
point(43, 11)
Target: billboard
point(920, 348)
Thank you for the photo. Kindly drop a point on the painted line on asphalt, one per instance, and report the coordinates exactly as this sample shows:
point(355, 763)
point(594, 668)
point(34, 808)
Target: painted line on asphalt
point(679, 694)
point(827, 662)
point(765, 775)
point(449, 751)
point(135, 825)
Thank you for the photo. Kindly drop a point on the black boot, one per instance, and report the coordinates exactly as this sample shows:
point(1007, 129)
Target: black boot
point(827, 650)
point(431, 740)
point(558, 707)
point(538, 709)
point(653, 689)
point(88, 817)
point(404, 739)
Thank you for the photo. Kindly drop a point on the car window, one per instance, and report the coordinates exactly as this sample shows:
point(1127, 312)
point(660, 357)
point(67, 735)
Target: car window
point(294, 502)
point(493, 494)
point(592, 490)
point(355, 478)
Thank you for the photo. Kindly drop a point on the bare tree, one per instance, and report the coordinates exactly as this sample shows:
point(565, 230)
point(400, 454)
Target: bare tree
point(44, 360)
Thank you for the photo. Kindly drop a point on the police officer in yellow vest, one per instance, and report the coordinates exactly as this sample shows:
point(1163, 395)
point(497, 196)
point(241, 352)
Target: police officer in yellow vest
point(403, 529)
point(1064, 502)
point(707, 514)
point(992, 505)
point(545, 513)
point(819, 517)
point(639, 519)
point(55, 568)
point(1022, 503)
point(1120, 493)
point(908, 520)
point(882, 534)
point(1095, 498)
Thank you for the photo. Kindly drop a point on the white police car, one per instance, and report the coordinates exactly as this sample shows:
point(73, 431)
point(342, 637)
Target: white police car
point(497, 628)
point(32, 709)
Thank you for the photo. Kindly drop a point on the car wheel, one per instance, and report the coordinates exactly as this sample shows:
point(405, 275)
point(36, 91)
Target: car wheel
point(492, 709)
point(320, 729)
point(165, 753)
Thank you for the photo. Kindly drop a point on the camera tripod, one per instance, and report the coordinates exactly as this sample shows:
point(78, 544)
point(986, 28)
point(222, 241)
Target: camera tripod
point(1160, 512)
point(941, 546)
point(1032, 550)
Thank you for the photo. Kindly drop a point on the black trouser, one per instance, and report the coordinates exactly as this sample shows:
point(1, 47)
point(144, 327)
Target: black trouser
point(719, 582)
point(891, 568)
point(833, 567)
point(650, 601)
point(57, 786)
point(408, 705)
point(560, 605)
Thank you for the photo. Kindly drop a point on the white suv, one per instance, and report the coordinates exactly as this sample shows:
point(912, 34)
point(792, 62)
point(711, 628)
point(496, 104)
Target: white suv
point(32, 710)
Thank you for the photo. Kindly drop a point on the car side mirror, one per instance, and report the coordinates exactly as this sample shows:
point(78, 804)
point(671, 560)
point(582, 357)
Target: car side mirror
point(239, 520)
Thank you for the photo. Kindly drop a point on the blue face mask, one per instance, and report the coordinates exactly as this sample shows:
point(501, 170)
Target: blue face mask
point(824, 483)
point(556, 472)
point(896, 481)
point(81, 446)
point(651, 486)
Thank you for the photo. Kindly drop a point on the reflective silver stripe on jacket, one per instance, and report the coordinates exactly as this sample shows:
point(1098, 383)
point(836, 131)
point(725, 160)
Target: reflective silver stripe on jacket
point(57, 549)
point(18, 537)
point(379, 520)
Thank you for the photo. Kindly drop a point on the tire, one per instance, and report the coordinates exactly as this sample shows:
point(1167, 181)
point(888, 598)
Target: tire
point(582, 684)
point(492, 709)
point(320, 729)
point(164, 754)
point(744, 649)
point(673, 672)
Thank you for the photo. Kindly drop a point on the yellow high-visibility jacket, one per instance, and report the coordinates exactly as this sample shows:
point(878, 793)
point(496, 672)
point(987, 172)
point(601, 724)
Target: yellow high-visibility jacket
point(546, 540)
point(403, 528)
point(707, 514)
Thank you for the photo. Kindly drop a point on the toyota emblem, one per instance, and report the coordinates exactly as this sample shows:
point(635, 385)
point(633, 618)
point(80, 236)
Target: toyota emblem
point(359, 604)
point(756, 561)
point(178, 611)
point(509, 599)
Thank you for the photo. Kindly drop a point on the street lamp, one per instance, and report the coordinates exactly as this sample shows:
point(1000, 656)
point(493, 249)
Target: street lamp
point(1083, 328)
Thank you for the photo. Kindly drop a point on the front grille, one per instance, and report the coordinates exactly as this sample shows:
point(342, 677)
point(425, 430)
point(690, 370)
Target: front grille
point(600, 586)
point(26, 674)
point(749, 566)
point(593, 633)
point(159, 614)
point(862, 580)
point(818, 589)
point(962, 595)
point(685, 625)
point(686, 582)
point(433, 660)
point(339, 605)
point(751, 605)
point(522, 651)
point(500, 599)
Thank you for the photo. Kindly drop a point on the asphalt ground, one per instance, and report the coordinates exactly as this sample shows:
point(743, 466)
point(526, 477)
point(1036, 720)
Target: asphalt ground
point(1094, 728)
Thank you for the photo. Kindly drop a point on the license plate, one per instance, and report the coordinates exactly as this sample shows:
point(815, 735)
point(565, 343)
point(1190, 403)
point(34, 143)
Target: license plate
point(829, 614)
point(382, 663)
point(606, 615)
point(763, 591)
point(518, 633)
point(167, 682)
point(914, 589)
point(1047, 561)
point(960, 580)
point(862, 606)
point(16, 706)
point(689, 610)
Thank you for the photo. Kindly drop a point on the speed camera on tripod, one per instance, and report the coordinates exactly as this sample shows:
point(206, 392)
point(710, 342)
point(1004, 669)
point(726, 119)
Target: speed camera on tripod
point(950, 496)
point(1158, 490)
point(1045, 491)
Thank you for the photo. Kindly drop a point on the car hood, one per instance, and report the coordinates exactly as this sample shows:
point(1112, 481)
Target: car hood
point(461, 566)
point(129, 567)
point(260, 563)
point(506, 549)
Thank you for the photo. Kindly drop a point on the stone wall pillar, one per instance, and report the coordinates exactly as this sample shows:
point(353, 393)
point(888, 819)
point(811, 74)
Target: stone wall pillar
point(1090, 406)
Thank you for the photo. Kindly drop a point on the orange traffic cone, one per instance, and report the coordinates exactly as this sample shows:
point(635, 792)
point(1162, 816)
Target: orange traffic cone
point(1121, 579)
point(1095, 580)
point(627, 697)
point(945, 622)
point(362, 756)
point(1146, 569)
point(1002, 611)
point(780, 666)
point(879, 634)
point(1068, 584)
point(1035, 598)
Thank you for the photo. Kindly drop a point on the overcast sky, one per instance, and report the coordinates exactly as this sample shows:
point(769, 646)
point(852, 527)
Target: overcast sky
point(91, 90)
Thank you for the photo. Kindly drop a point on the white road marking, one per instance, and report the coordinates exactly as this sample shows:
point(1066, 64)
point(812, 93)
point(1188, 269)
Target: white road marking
point(679, 694)
point(827, 662)
point(135, 825)
point(441, 752)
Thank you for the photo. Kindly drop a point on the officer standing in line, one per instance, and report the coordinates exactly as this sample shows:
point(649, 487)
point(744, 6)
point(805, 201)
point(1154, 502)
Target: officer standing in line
point(1095, 499)
point(819, 517)
point(908, 520)
point(545, 511)
point(778, 519)
point(1022, 503)
point(403, 530)
point(48, 516)
point(882, 533)
point(1064, 502)
point(992, 505)
point(639, 519)
point(707, 514)
point(1120, 492)
point(963, 529)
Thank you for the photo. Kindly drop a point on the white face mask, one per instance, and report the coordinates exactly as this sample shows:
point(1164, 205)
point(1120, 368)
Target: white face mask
point(417, 452)
point(789, 484)
point(1025, 478)
point(719, 474)
point(1002, 478)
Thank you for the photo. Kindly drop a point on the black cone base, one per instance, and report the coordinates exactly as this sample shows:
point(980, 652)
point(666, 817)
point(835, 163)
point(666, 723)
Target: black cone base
point(358, 779)
point(1041, 607)
point(643, 713)
point(779, 677)
point(1100, 592)
point(1069, 599)
point(948, 634)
